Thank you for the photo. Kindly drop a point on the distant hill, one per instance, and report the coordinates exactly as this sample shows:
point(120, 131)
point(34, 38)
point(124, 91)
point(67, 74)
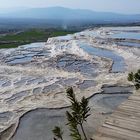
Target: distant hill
point(62, 13)
point(65, 18)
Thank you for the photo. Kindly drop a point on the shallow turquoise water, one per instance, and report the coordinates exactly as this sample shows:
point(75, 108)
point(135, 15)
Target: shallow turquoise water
point(118, 65)
point(127, 35)
point(130, 44)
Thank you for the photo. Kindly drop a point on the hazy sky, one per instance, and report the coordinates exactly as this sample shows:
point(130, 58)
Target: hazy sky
point(119, 6)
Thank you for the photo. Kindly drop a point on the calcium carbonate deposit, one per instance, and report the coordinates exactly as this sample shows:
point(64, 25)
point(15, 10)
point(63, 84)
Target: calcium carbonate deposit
point(34, 77)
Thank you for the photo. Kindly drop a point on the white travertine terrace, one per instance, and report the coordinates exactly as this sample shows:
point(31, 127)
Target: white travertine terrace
point(37, 77)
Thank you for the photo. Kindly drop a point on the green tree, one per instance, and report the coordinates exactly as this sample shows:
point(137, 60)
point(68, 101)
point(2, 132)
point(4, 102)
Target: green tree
point(78, 114)
point(73, 127)
point(135, 78)
point(58, 133)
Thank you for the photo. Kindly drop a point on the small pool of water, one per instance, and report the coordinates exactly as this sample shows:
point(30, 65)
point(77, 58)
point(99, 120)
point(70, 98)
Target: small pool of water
point(129, 44)
point(20, 61)
point(27, 57)
point(127, 35)
point(33, 45)
point(118, 65)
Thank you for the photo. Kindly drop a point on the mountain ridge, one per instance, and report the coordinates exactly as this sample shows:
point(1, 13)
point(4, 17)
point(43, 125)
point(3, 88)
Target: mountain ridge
point(67, 14)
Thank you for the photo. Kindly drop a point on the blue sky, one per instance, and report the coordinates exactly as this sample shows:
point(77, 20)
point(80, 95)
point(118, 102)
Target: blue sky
point(119, 6)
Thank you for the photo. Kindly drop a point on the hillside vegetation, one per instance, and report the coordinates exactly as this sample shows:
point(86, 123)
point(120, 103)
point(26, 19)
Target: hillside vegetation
point(13, 40)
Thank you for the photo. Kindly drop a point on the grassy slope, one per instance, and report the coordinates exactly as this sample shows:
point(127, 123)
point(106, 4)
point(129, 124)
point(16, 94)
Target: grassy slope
point(29, 36)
